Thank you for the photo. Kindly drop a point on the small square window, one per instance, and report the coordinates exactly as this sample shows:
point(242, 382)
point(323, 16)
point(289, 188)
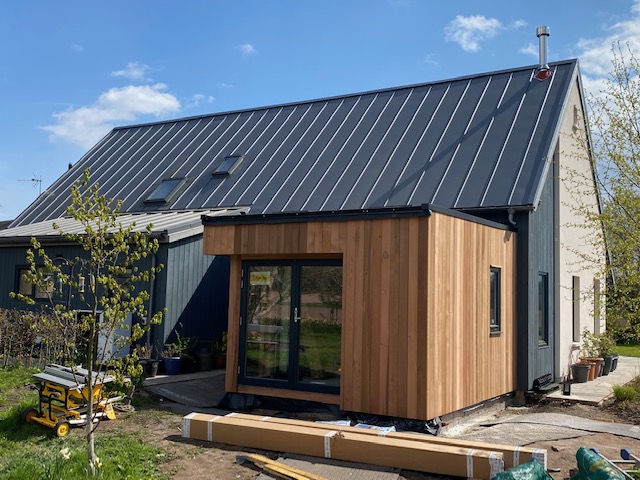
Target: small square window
point(40, 292)
point(494, 301)
point(24, 286)
point(163, 192)
point(228, 165)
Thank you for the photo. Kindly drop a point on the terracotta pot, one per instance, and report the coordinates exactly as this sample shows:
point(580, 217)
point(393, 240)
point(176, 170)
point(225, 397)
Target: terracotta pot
point(592, 369)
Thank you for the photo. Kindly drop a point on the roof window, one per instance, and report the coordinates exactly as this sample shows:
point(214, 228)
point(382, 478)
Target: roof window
point(228, 165)
point(165, 191)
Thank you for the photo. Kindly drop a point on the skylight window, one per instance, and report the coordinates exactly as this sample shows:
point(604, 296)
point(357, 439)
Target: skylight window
point(163, 192)
point(228, 165)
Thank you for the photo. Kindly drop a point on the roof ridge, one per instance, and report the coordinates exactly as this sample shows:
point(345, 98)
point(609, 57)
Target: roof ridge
point(341, 96)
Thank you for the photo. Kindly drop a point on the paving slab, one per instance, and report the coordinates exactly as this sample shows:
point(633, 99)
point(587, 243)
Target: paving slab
point(201, 390)
point(596, 391)
point(575, 423)
point(522, 434)
point(336, 469)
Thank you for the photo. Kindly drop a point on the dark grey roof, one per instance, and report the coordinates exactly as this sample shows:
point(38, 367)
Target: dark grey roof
point(474, 142)
point(172, 225)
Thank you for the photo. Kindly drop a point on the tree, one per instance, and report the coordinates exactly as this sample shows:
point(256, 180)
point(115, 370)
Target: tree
point(614, 121)
point(103, 279)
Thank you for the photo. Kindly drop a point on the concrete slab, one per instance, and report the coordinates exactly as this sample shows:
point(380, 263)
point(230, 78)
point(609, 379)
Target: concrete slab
point(516, 433)
point(335, 469)
point(576, 423)
point(598, 390)
point(198, 390)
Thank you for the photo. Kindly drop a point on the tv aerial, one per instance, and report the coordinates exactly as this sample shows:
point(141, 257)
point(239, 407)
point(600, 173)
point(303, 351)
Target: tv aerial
point(36, 182)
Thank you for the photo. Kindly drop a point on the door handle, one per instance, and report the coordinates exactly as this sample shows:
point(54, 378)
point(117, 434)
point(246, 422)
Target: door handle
point(295, 315)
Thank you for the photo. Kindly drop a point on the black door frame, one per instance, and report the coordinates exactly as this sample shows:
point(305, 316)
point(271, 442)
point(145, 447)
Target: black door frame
point(291, 383)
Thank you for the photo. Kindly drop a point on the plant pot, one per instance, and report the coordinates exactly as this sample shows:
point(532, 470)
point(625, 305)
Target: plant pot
point(580, 372)
point(205, 361)
point(592, 369)
point(171, 365)
point(614, 363)
point(149, 367)
point(219, 361)
point(608, 362)
point(595, 363)
point(599, 366)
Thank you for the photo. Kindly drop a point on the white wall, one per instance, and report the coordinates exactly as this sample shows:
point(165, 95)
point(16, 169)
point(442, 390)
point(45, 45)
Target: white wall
point(577, 249)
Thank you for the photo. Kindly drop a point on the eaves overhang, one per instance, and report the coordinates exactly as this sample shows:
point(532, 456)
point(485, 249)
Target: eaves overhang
point(424, 210)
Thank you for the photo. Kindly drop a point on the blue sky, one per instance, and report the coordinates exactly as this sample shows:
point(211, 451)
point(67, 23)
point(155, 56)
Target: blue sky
point(73, 70)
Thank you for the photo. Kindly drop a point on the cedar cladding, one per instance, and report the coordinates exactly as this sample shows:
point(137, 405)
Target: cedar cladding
point(416, 339)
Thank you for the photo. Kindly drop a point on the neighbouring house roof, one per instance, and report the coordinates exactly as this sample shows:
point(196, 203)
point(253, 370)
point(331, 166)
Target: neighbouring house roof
point(170, 226)
point(480, 141)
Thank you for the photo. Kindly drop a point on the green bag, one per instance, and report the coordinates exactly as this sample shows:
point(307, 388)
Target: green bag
point(527, 471)
point(592, 466)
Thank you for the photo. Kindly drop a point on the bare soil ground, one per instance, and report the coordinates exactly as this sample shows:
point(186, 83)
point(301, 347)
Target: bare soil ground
point(194, 459)
point(562, 453)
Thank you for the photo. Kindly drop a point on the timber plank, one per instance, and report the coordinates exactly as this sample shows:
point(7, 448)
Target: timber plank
point(344, 445)
point(514, 455)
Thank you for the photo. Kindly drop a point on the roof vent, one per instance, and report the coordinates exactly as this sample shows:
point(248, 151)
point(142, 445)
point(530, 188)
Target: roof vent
point(543, 71)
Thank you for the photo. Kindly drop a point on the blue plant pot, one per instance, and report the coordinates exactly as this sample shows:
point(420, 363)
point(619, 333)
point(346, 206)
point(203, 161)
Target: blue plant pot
point(172, 365)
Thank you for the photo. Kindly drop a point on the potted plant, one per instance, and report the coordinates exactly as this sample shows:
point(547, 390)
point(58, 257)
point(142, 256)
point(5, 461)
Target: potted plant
point(175, 352)
point(590, 353)
point(220, 352)
point(205, 356)
point(147, 360)
point(171, 358)
point(606, 347)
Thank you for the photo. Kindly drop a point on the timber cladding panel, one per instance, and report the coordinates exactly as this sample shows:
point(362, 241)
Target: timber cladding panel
point(416, 340)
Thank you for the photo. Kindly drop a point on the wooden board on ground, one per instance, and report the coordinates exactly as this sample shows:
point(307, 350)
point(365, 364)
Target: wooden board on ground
point(344, 445)
point(513, 455)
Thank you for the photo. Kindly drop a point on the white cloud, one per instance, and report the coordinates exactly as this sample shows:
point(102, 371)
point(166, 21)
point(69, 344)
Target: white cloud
point(77, 48)
point(595, 53)
point(198, 98)
point(226, 85)
point(469, 32)
point(84, 126)
point(430, 60)
point(133, 71)
point(531, 49)
point(246, 49)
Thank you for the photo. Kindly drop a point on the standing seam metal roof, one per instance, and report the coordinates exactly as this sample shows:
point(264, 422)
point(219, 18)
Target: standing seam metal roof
point(473, 142)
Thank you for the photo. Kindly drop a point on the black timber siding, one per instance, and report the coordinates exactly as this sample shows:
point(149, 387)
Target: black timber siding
point(195, 291)
point(14, 258)
point(536, 253)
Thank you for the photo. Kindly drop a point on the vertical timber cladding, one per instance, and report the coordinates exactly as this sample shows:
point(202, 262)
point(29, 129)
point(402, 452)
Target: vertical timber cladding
point(467, 363)
point(416, 339)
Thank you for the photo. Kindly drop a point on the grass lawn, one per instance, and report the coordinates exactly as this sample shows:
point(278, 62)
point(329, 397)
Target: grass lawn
point(31, 451)
point(628, 350)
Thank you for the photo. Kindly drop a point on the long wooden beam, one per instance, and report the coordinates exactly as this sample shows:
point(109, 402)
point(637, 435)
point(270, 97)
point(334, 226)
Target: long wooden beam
point(344, 445)
point(513, 455)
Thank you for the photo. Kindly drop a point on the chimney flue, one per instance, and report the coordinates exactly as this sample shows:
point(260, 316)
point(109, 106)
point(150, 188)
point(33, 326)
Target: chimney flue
point(543, 71)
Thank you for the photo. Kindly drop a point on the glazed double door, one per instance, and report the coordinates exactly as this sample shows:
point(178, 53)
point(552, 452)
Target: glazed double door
point(291, 324)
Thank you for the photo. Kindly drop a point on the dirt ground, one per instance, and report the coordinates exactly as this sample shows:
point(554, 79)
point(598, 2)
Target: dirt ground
point(201, 460)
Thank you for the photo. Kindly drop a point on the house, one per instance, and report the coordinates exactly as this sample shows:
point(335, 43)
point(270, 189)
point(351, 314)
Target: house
point(406, 252)
point(183, 287)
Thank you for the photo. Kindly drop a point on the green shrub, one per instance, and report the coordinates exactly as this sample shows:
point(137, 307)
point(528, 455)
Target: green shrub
point(625, 393)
